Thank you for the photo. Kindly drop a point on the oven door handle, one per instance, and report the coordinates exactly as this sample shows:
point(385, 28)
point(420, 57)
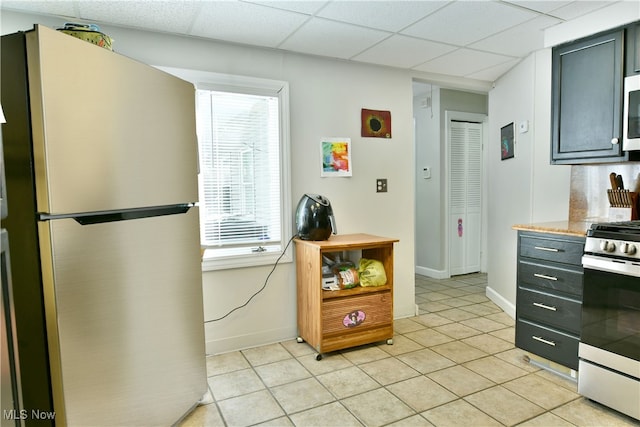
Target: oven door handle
point(626, 268)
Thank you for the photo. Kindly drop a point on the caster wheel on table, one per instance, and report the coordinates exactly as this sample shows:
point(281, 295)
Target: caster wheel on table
point(300, 340)
point(318, 357)
point(390, 341)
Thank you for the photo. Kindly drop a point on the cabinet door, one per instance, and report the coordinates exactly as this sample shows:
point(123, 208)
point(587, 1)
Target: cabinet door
point(632, 50)
point(587, 100)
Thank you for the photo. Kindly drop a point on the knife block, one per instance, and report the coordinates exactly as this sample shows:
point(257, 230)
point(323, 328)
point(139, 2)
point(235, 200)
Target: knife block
point(623, 205)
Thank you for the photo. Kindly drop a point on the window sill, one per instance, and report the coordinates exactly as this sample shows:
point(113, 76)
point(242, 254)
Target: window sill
point(230, 260)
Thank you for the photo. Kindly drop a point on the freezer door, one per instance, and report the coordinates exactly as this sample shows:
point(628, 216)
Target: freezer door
point(125, 301)
point(109, 133)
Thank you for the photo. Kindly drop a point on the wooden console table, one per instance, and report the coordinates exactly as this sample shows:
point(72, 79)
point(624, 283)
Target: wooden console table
point(323, 316)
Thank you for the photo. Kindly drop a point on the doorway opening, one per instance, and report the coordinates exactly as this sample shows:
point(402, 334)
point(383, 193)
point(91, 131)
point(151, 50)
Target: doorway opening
point(450, 183)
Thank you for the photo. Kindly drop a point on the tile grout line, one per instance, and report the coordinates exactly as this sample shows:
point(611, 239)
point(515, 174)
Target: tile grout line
point(480, 308)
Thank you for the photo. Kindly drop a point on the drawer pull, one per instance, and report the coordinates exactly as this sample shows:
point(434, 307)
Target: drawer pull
point(542, 340)
point(543, 276)
point(542, 248)
point(546, 307)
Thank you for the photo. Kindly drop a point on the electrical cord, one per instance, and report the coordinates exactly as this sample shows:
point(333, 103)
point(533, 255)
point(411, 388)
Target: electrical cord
point(259, 290)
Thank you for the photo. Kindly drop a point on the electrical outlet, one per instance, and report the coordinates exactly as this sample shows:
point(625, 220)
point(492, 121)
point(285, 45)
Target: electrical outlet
point(381, 185)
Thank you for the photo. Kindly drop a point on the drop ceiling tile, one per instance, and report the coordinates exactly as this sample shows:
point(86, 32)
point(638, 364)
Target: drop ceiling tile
point(543, 6)
point(403, 51)
point(463, 62)
point(308, 7)
point(383, 15)
point(248, 23)
point(41, 7)
point(332, 39)
point(492, 74)
point(578, 8)
point(384, 32)
point(168, 16)
point(461, 23)
point(519, 40)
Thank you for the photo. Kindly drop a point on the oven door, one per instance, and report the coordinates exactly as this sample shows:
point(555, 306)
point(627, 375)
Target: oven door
point(609, 349)
point(611, 307)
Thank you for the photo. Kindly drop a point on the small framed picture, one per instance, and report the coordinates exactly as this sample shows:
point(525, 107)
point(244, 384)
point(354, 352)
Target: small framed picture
point(507, 142)
point(336, 157)
point(375, 123)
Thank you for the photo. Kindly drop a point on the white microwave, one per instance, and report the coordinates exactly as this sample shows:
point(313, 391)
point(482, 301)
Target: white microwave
point(631, 118)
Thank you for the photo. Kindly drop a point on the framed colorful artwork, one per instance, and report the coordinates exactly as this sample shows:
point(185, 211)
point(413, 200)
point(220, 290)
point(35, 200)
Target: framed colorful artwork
point(336, 157)
point(375, 123)
point(507, 142)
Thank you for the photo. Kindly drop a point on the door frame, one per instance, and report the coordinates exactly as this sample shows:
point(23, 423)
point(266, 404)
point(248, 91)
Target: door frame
point(451, 115)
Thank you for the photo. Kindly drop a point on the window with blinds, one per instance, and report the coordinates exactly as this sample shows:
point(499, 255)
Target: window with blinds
point(242, 178)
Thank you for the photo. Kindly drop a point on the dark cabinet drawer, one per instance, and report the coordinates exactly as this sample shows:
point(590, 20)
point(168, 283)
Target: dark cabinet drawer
point(563, 313)
point(551, 277)
point(555, 250)
point(548, 343)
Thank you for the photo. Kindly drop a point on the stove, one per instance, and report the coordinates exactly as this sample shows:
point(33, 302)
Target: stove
point(614, 240)
point(609, 348)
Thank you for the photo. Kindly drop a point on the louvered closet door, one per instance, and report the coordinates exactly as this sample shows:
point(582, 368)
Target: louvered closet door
point(465, 196)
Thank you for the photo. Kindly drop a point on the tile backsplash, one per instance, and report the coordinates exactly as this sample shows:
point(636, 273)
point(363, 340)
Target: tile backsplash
point(589, 185)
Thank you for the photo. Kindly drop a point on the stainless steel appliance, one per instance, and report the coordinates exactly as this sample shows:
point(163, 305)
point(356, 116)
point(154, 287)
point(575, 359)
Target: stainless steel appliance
point(609, 349)
point(314, 218)
point(11, 392)
point(101, 167)
point(631, 118)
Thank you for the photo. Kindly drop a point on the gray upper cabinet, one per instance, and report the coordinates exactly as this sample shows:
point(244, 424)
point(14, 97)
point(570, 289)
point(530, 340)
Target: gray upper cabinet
point(586, 108)
point(632, 50)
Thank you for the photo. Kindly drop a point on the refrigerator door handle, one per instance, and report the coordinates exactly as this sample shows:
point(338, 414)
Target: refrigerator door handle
point(88, 218)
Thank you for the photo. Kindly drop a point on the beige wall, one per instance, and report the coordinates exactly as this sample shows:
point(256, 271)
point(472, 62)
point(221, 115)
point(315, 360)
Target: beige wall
point(525, 188)
point(326, 97)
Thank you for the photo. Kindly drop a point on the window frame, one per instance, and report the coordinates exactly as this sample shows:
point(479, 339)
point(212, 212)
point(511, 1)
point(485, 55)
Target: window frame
point(239, 257)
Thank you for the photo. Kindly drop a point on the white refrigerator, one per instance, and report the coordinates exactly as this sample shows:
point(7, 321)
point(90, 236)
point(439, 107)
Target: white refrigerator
point(101, 164)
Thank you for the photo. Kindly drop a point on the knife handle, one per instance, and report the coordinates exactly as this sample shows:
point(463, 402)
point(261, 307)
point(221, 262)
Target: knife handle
point(620, 182)
point(612, 180)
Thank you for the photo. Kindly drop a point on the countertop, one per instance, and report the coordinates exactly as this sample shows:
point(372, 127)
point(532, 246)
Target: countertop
point(571, 228)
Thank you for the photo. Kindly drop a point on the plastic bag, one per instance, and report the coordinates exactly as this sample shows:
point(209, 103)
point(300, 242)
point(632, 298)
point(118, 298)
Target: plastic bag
point(347, 274)
point(88, 32)
point(372, 273)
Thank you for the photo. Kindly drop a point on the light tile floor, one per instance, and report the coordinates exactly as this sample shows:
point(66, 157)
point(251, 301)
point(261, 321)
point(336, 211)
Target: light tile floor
point(455, 364)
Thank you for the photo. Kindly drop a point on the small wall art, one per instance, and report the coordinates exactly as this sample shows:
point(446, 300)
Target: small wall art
point(375, 123)
point(336, 157)
point(507, 142)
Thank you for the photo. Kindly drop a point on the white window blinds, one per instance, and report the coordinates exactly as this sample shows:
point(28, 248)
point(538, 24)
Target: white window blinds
point(239, 138)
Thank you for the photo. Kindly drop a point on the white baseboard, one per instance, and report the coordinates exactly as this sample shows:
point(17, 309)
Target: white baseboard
point(242, 342)
point(430, 272)
point(501, 302)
